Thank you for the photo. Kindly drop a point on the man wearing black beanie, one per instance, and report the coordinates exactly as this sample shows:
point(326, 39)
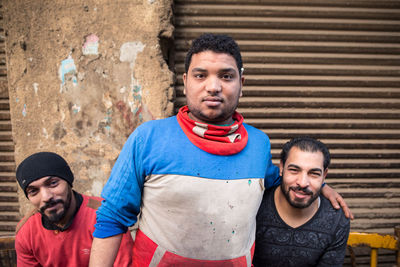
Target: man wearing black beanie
point(58, 232)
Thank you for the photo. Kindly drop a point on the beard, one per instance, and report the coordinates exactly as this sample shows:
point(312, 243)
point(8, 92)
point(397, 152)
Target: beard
point(214, 115)
point(219, 116)
point(296, 204)
point(57, 215)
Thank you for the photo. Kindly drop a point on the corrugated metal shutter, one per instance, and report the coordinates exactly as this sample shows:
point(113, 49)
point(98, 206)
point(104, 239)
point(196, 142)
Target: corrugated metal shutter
point(9, 206)
point(328, 69)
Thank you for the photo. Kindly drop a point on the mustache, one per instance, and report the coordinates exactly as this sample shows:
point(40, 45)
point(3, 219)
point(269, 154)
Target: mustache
point(305, 190)
point(50, 204)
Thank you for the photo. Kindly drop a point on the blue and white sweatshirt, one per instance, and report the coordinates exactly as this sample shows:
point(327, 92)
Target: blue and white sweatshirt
point(192, 203)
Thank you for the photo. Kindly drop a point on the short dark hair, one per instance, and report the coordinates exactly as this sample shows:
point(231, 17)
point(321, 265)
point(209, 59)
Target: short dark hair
point(305, 143)
point(218, 43)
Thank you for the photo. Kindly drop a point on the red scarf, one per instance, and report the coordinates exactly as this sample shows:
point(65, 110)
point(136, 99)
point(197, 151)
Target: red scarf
point(218, 140)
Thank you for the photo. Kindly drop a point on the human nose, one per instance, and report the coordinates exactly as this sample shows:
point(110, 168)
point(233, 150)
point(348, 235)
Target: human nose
point(213, 85)
point(46, 194)
point(303, 180)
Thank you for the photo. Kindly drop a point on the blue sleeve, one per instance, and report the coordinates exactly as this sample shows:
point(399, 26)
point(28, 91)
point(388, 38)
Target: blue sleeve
point(106, 227)
point(123, 191)
point(272, 177)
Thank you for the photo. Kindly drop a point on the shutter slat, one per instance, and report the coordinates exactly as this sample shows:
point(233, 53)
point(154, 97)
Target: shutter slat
point(9, 206)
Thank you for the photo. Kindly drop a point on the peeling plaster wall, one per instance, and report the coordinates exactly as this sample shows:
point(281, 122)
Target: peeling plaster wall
point(82, 76)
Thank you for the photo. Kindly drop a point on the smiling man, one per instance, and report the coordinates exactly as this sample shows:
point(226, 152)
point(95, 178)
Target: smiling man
point(296, 226)
point(196, 179)
point(58, 232)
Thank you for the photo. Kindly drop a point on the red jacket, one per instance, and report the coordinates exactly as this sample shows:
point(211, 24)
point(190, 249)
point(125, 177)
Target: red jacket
point(37, 246)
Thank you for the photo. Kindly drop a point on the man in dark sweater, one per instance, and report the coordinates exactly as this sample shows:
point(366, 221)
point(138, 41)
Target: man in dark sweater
point(296, 226)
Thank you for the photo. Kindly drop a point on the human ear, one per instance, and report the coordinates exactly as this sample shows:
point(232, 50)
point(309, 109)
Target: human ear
point(184, 76)
point(280, 168)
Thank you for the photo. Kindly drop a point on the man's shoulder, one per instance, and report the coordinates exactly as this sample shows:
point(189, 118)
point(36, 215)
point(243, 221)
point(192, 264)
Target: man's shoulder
point(329, 216)
point(31, 217)
point(267, 205)
point(86, 216)
point(91, 202)
point(268, 193)
point(155, 128)
point(257, 137)
point(328, 208)
point(157, 123)
point(253, 130)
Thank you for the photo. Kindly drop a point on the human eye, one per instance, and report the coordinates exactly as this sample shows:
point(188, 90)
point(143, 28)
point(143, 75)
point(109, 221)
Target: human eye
point(227, 76)
point(53, 182)
point(31, 192)
point(315, 174)
point(199, 75)
point(293, 170)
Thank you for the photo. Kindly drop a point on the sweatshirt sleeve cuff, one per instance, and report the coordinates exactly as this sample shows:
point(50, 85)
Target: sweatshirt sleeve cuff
point(107, 227)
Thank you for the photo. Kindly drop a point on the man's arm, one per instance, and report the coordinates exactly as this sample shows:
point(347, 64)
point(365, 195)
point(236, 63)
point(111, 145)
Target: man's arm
point(104, 251)
point(272, 176)
point(124, 256)
point(122, 197)
point(337, 201)
point(334, 254)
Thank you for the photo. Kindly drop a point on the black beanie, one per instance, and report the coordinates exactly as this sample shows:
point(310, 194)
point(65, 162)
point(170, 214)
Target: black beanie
point(40, 165)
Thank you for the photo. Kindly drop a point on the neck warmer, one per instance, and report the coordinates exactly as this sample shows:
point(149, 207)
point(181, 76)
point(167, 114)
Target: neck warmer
point(214, 139)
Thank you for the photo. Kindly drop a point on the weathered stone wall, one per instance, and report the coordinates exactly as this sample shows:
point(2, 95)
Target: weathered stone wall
point(82, 75)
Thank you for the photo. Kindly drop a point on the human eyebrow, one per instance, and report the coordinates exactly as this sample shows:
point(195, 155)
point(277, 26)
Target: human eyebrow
point(199, 70)
point(293, 166)
point(51, 179)
point(231, 70)
point(30, 188)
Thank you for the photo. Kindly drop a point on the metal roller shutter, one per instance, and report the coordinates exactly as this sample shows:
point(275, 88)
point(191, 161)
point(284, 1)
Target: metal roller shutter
point(328, 69)
point(9, 206)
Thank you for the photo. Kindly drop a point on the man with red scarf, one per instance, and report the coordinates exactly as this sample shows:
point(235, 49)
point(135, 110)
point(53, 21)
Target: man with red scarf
point(197, 178)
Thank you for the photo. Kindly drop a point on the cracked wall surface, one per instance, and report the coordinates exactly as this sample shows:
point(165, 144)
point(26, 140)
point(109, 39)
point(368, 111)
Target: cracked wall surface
point(82, 75)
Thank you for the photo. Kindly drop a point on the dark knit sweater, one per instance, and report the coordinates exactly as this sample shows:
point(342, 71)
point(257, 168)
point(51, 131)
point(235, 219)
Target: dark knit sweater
point(319, 242)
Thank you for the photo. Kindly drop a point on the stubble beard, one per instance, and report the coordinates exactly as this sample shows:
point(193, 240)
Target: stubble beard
point(56, 216)
point(222, 116)
point(299, 205)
